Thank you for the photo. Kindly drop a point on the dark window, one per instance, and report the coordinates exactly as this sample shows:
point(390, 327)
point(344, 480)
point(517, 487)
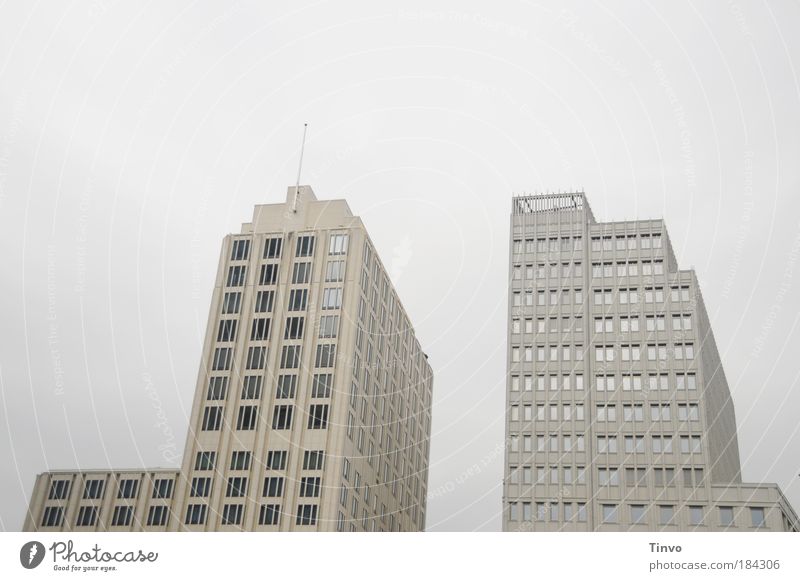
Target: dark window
point(273, 486)
point(217, 388)
point(212, 418)
point(298, 298)
point(287, 384)
point(205, 460)
point(260, 330)
point(248, 414)
point(272, 248)
point(301, 273)
point(222, 359)
point(305, 246)
point(240, 460)
point(251, 388)
point(241, 250)
point(264, 301)
point(237, 486)
point(231, 303)
point(59, 489)
point(326, 355)
point(87, 516)
point(93, 489)
point(232, 514)
point(53, 516)
point(122, 516)
point(157, 517)
point(318, 417)
point(128, 488)
point(269, 274)
point(294, 328)
point(282, 417)
point(269, 514)
point(307, 514)
point(201, 487)
point(276, 459)
point(309, 486)
point(290, 357)
point(162, 488)
point(227, 330)
point(195, 514)
point(256, 356)
point(313, 459)
point(236, 275)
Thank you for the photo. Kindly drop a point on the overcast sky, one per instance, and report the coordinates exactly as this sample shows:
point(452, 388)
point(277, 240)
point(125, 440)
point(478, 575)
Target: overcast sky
point(134, 136)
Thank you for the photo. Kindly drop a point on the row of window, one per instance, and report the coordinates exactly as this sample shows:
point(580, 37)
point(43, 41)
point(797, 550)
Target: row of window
point(310, 486)
point(562, 244)
point(569, 475)
point(257, 357)
point(605, 382)
point(285, 387)
point(87, 516)
point(294, 327)
point(337, 245)
point(248, 416)
point(659, 444)
point(94, 488)
point(629, 268)
point(269, 514)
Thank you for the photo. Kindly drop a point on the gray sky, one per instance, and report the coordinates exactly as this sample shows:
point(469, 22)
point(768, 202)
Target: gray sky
point(134, 136)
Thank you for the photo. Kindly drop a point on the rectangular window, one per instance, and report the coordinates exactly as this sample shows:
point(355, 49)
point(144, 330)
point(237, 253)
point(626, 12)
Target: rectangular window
point(338, 244)
point(59, 490)
point(240, 460)
point(157, 516)
point(282, 417)
point(227, 330)
point(272, 247)
point(122, 516)
point(286, 387)
point(290, 357)
point(264, 301)
point(201, 487)
point(313, 459)
point(301, 273)
point(270, 514)
point(328, 326)
point(203, 461)
point(334, 271)
point(318, 417)
point(237, 487)
point(260, 330)
point(195, 514)
point(293, 328)
point(306, 514)
point(305, 246)
point(326, 355)
point(222, 359)
point(298, 299)
point(53, 516)
point(236, 276)
point(232, 514)
point(128, 488)
point(310, 486)
point(231, 303)
point(241, 250)
point(248, 416)
point(332, 298)
point(276, 459)
point(93, 489)
point(87, 516)
point(251, 387)
point(256, 357)
point(321, 385)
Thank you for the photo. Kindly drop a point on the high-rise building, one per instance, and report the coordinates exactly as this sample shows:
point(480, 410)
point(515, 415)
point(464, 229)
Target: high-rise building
point(312, 409)
point(619, 416)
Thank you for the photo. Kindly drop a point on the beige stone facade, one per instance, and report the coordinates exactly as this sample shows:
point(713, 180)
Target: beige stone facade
point(312, 408)
point(619, 416)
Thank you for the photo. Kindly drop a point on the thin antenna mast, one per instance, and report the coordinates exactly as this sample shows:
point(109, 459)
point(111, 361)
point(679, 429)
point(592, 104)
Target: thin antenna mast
point(299, 167)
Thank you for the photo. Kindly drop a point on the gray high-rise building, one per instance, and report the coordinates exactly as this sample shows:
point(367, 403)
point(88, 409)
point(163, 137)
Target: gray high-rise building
point(312, 409)
point(619, 416)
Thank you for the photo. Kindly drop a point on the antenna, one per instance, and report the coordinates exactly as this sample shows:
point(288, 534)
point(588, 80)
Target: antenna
point(299, 167)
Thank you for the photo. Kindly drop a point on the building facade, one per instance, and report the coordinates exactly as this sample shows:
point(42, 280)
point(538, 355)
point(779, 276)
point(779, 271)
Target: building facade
point(312, 409)
point(618, 415)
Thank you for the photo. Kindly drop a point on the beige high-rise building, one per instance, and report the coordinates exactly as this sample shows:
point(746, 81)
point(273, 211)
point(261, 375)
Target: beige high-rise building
point(312, 409)
point(619, 416)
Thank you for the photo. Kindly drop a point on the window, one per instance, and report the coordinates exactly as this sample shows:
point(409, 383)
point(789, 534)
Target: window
point(290, 357)
point(331, 298)
point(318, 417)
point(241, 250)
point(609, 513)
point(264, 301)
point(232, 514)
point(695, 515)
point(269, 514)
point(93, 489)
point(59, 490)
point(201, 487)
point(293, 328)
point(227, 330)
point(87, 516)
point(725, 515)
point(338, 244)
point(313, 459)
point(310, 486)
point(298, 298)
point(665, 514)
point(231, 303)
point(217, 388)
point(128, 488)
point(237, 487)
point(334, 271)
point(757, 517)
point(282, 417)
point(157, 516)
point(637, 513)
point(240, 460)
point(286, 387)
point(306, 514)
point(222, 359)
point(251, 387)
point(301, 272)
point(305, 246)
point(326, 355)
point(195, 514)
point(272, 248)
point(53, 516)
point(321, 385)
point(276, 459)
point(256, 356)
point(260, 329)
point(328, 326)
point(236, 275)
point(122, 516)
point(248, 415)
point(203, 461)
point(273, 486)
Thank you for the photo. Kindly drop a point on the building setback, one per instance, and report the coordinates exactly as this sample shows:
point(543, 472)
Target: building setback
point(618, 415)
point(312, 409)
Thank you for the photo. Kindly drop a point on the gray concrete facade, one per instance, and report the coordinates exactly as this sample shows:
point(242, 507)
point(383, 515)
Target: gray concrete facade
point(618, 415)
